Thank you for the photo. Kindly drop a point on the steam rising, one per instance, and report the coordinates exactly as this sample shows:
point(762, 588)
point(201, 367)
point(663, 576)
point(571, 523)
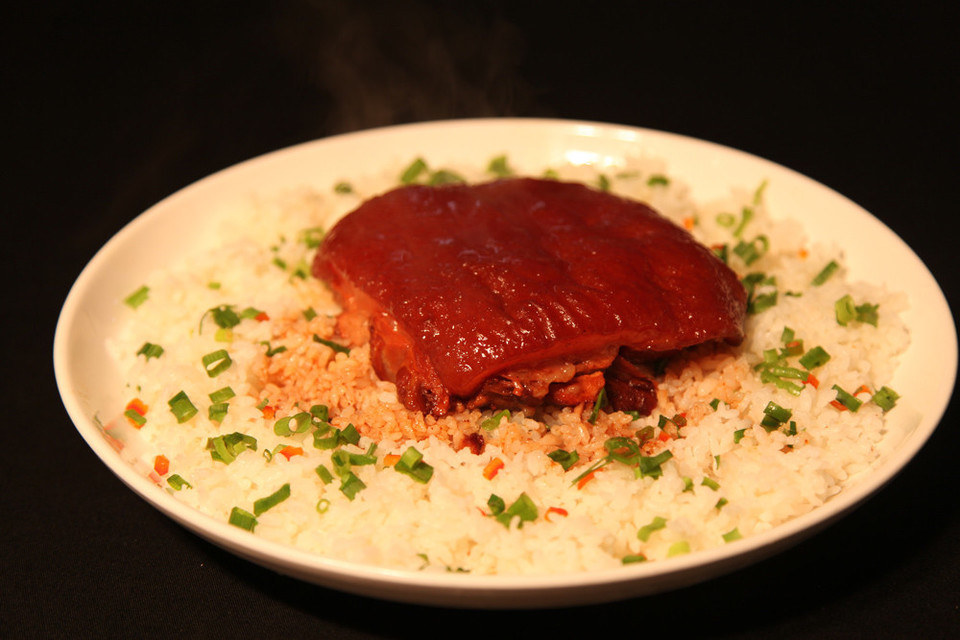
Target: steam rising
point(387, 63)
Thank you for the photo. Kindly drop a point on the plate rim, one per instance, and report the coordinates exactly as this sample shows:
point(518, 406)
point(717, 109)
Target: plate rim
point(497, 590)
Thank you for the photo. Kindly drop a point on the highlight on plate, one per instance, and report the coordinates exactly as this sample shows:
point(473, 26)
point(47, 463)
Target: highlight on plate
point(572, 370)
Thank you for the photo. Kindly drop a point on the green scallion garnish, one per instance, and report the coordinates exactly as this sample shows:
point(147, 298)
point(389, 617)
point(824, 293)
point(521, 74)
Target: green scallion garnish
point(491, 423)
point(269, 502)
point(150, 350)
point(733, 534)
point(655, 525)
point(181, 407)
point(848, 400)
point(815, 357)
point(138, 297)
point(411, 464)
point(337, 348)
point(242, 519)
point(300, 422)
point(599, 403)
point(222, 395)
point(885, 398)
point(412, 172)
point(177, 482)
point(498, 166)
point(825, 273)
point(565, 459)
point(135, 417)
point(216, 362)
point(523, 507)
point(774, 416)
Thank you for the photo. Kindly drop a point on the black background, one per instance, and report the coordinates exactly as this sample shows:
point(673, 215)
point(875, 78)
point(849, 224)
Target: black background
point(109, 107)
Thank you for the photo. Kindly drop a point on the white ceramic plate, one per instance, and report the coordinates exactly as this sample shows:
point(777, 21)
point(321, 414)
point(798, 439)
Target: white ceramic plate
point(90, 384)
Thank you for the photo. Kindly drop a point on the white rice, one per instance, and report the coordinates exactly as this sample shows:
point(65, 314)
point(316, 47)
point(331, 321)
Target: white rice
point(761, 481)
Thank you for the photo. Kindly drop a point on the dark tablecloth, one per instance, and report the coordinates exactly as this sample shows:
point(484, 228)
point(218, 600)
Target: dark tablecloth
point(109, 107)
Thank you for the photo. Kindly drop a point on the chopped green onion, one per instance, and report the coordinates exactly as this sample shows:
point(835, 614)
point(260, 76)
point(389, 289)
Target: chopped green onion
point(227, 447)
point(603, 182)
point(496, 504)
point(213, 285)
point(687, 484)
point(738, 435)
point(815, 357)
point(309, 314)
point(177, 482)
point(242, 519)
point(791, 429)
point(325, 476)
point(411, 463)
point(223, 316)
point(444, 176)
point(825, 273)
point(867, 313)
point(678, 549)
point(412, 172)
point(343, 188)
point(774, 415)
point(650, 465)
point(222, 395)
point(493, 421)
point(272, 500)
point(181, 407)
point(762, 302)
point(726, 219)
point(845, 310)
point(752, 251)
point(711, 483)
point(733, 534)
point(721, 503)
point(137, 419)
point(523, 507)
point(498, 166)
point(272, 351)
point(768, 378)
point(565, 459)
point(622, 450)
point(787, 335)
point(597, 405)
point(312, 237)
point(218, 411)
point(658, 180)
point(847, 399)
point(746, 216)
point(301, 422)
point(886, 398)
point(632, 559)
point(351, 485)
point(149, 350)
point(655, 525)
point(323, 505)
point(138, 297)
point(338, 348)
point(216, 362)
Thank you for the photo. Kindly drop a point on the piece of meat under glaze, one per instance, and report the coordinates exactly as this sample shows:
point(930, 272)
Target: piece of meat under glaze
point(523, 292)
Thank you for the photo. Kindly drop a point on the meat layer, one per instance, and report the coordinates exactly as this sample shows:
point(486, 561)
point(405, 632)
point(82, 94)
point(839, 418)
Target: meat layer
point(521, 291)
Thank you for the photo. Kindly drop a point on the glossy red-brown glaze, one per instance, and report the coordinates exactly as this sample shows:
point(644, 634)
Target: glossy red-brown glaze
point(473, 293)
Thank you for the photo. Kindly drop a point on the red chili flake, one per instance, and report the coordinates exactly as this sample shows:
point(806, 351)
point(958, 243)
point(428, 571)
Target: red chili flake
point(557, 510)
point(812, 381)
point(493, 468)
point(289, 452)
point(836, 404)
point(261, 317)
